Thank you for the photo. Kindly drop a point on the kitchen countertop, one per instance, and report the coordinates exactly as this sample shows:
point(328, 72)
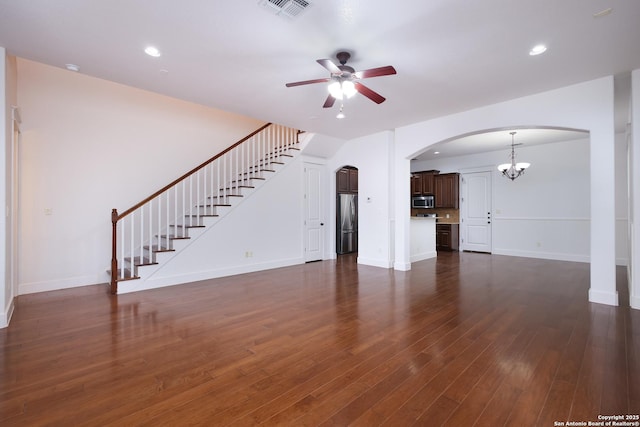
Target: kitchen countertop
point(439, 219)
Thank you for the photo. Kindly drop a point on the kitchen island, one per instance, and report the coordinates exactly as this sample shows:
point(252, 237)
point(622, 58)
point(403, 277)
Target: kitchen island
point(423, 238)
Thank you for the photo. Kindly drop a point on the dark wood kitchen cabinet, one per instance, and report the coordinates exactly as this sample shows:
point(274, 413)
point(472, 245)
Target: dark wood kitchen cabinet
point(427, 182)
point(416, 184)
point(347, 180)
point(446, 190)
point(447, 236)
point(422, 183)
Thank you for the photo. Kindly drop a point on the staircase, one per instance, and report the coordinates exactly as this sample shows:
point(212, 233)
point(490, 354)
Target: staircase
point(160, 226)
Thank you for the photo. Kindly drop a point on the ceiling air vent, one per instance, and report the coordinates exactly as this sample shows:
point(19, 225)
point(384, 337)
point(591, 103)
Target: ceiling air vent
point(288, 8)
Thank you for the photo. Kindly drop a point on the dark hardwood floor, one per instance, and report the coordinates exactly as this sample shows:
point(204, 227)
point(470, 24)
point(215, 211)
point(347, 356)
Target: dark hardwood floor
point(467, 339)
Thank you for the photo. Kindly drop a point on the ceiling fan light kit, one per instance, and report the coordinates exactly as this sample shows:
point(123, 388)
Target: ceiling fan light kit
point(344, 81)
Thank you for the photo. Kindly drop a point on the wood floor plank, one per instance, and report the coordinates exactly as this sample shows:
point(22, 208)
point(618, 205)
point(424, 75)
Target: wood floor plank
point(454, 341)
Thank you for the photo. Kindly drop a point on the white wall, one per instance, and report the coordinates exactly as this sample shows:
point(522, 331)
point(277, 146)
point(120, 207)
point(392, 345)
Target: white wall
point(634, 192)
point(371, 155)
point(5, 293)
point(90, 145)
point(586, 106)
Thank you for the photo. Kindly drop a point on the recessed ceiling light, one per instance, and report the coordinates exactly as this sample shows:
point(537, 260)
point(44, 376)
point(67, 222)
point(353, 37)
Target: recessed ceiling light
point(152, 51)
point(436, 152)
point(602, 13)
point(537, 50)
point(72, 67)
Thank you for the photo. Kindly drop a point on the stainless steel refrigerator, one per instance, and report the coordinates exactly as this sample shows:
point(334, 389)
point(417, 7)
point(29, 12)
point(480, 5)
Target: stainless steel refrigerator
point(347, 223)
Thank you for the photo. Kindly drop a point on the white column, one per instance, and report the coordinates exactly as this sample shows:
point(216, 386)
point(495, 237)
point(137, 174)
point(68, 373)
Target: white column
point(5, 140)
point(603, 249)
point(634, 193)
point(402, 214)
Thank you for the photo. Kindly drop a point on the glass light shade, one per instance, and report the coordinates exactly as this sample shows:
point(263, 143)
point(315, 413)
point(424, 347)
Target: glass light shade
point(503, 167)
point(348, 88)
point(335, 90)
point(522, 166)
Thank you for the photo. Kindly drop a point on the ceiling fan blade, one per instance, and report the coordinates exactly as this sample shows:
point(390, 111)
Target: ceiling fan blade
point(329, 102)
point(375, 72)
point(307, 82)
point(329, 65)
point(374, 96)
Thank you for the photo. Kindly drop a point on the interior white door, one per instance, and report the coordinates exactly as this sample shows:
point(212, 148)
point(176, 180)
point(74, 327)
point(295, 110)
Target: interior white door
point(313, 212)
point(476, 212)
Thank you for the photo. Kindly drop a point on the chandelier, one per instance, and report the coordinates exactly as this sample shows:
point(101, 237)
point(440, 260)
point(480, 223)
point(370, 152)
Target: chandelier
point(513, 170)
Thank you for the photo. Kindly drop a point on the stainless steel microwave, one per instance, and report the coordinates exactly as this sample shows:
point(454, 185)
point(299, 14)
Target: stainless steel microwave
point(423, 202)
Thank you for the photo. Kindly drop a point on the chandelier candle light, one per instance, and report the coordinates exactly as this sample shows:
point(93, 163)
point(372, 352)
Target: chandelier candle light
point(513, 170)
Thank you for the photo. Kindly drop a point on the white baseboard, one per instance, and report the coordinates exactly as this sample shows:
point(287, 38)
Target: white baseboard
point(53, 285)
point(634, 302)
point(180, 279)
point(5, 316)
point(402, 266)
point(600, 297)
point(375, 262)
point(542, 255)
point(624, 262)
point(423, 256)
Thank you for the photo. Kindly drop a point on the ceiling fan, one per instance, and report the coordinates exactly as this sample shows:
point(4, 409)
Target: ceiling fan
point(344, 80)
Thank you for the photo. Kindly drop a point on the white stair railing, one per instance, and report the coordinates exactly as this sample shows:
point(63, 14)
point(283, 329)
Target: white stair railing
point(151, 225)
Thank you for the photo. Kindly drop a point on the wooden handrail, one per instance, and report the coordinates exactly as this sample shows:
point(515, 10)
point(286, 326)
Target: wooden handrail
point(191, 172)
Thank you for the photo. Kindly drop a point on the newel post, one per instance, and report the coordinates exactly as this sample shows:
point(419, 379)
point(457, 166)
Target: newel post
point(114, 256)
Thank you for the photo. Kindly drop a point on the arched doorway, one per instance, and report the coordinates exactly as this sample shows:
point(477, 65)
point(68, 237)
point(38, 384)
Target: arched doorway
point(347, 210)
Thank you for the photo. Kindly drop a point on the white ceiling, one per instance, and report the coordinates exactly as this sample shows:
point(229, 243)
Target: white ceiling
point(450, 55)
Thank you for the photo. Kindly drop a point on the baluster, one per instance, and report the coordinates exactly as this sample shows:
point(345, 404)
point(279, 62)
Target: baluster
point(150, 240)
point(224, 179)
point(213, 187)
point(166, 225)
point(123, 243)
point(141, 233)
point(132, 252)
point(159, 231)
point(235, 175)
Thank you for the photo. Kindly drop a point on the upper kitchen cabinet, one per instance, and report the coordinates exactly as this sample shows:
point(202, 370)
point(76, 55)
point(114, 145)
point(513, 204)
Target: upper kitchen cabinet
point(347, 180)
point(422, 183)
point(427, 182)
point(416, 184)
point(446, 190)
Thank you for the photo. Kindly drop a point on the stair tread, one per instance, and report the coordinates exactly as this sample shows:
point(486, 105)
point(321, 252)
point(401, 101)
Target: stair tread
point(127, 275)
point(222, 197)
point(173, 237)
point(156, 248)
point(138, 262)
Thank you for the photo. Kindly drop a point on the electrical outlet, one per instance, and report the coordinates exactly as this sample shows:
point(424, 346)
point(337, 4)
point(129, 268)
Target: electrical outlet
point(48, 211)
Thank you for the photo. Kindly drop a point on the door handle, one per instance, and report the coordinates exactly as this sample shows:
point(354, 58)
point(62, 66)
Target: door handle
point(488, 222)
point(322, 223)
